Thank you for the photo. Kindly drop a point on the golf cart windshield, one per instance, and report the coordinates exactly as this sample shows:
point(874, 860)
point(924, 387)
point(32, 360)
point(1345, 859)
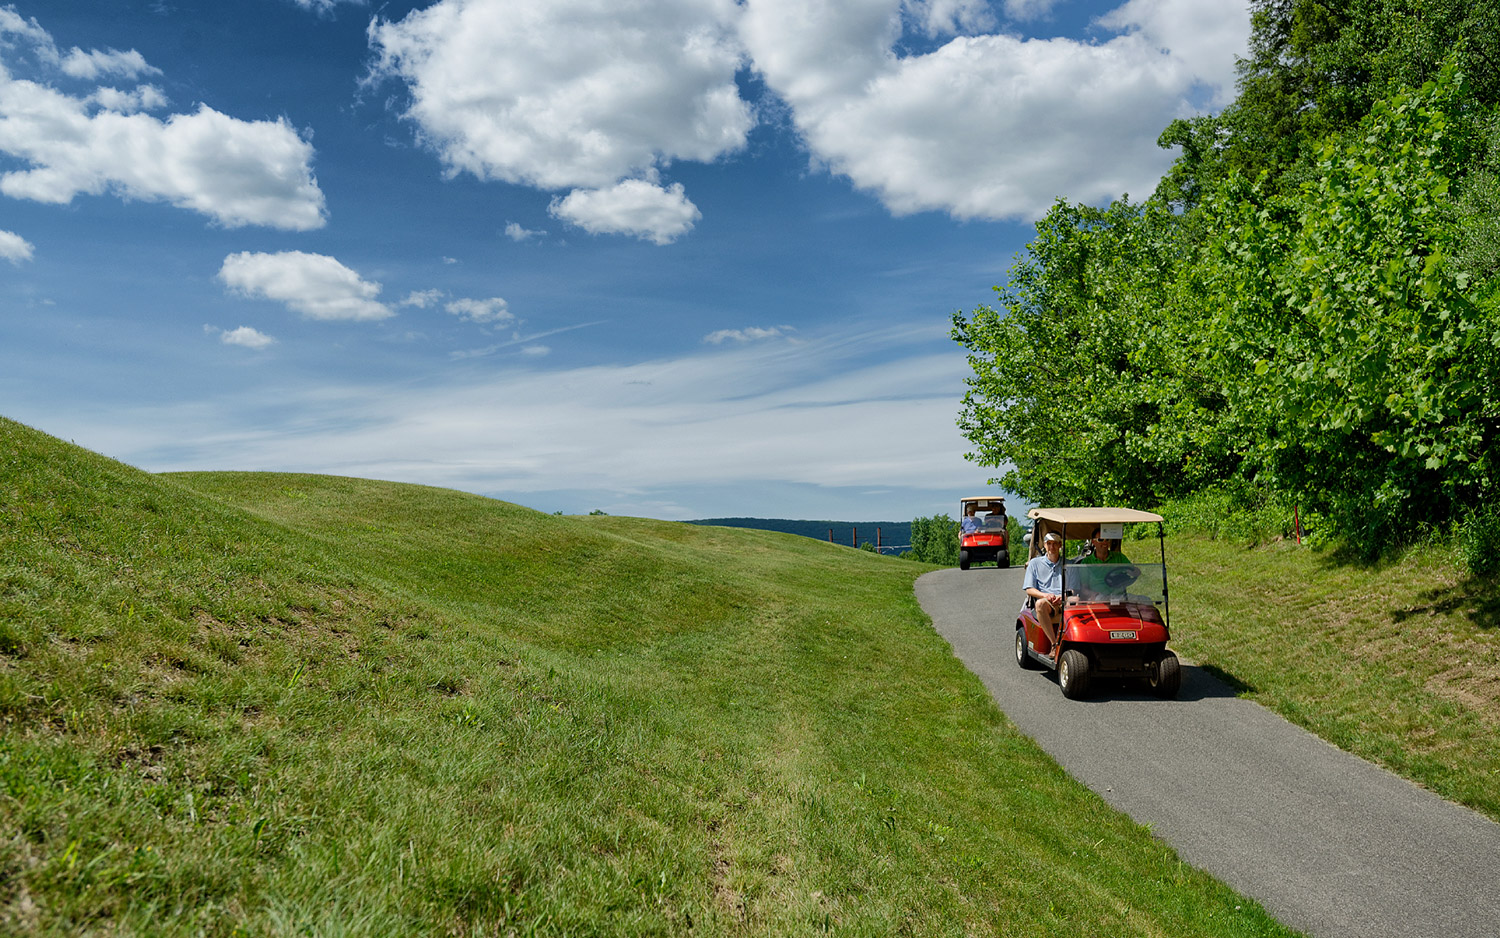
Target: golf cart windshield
point(1117, 582)
point(995, 522)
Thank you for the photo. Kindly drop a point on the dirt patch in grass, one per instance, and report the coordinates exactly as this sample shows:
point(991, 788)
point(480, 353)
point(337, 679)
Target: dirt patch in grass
point(726, 899)
point(1479, 692)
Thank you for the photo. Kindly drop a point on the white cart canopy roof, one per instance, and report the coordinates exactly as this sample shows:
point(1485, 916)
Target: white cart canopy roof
point(1071, 516)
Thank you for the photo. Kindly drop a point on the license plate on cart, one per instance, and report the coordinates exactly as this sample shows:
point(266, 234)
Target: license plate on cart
point(1122, 635)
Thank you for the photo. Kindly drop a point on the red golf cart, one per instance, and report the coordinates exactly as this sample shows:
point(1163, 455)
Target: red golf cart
point(1114, 619)
point(987, 541)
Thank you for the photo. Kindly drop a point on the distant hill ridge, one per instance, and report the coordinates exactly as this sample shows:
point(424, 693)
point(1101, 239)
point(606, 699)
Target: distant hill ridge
point(892, 533)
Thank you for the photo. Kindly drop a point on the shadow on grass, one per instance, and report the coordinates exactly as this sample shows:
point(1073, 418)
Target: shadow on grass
point(1477, 599)
point(1228, 684)
point(1344, 554)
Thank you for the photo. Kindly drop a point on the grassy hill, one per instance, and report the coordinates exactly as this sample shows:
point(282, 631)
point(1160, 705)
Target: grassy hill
point(1397, 662)
point(245, 704)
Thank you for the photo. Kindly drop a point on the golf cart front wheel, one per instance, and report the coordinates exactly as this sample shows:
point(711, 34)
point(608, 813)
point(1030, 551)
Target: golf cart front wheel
point(1073, 674)
point(1166, 677)
point(963, 560)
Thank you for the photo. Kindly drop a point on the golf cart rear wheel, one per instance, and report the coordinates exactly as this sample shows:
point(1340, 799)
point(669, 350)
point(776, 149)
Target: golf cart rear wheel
point(963, 560)
point(1023, 658)
point(1073, 674)
point(1166, 677)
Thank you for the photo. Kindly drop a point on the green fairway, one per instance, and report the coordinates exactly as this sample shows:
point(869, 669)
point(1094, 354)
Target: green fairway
point(249, 704)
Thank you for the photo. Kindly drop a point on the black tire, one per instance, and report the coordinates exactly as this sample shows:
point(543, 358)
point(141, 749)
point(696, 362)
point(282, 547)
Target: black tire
point(1004, 559)
point(963, 560)
point(1073, 674)
point(1023, 658)
point(1166, 677)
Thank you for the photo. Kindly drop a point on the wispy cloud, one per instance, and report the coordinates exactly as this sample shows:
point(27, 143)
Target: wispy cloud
point(516, 233)
point(813, 414)
point(748, 334)
point(1027, 10)
point(422, 299)
point(325, 6)
point(519, 339)
point(491, 311)
point(95, 64)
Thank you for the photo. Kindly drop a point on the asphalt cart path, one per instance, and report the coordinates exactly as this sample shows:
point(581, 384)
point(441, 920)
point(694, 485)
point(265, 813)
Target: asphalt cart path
point(1327, 842)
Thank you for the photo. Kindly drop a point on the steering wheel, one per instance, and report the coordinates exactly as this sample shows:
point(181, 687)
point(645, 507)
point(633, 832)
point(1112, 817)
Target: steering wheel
point(1121, 577)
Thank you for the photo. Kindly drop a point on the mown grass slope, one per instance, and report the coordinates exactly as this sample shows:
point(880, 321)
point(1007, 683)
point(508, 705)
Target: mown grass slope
point(1398, 662)
point(268, 704)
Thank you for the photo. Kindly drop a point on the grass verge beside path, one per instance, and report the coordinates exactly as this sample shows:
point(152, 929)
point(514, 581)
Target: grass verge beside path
point(266, 705)
point(1398, 663)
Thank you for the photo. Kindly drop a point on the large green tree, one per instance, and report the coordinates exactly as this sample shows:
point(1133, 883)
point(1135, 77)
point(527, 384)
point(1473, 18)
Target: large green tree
point(1331, 340)
point(1083, 384)
point(1358, 353)
point(1315, 68)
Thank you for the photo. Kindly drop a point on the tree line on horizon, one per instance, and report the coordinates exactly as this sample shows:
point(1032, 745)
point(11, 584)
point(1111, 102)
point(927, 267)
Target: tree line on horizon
point(892, 533)
point(1304, 314)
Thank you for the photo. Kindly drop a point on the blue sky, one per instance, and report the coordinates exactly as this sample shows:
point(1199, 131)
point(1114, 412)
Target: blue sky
point(678, 259)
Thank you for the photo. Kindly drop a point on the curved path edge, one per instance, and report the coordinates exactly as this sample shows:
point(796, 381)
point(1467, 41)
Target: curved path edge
point(1329, 843)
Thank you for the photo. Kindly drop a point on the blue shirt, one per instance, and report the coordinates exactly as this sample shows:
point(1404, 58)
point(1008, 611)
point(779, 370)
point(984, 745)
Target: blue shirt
point(1042, 574)
point(969, 524)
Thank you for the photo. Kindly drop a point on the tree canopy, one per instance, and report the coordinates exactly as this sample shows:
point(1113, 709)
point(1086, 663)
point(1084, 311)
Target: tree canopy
point(1307, 309)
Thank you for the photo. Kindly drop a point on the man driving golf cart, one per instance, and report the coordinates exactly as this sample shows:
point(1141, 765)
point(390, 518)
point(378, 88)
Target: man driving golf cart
point(1101, 616)
point(982, 538)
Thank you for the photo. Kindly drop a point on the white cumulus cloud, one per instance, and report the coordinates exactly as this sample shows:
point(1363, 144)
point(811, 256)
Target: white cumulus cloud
point(1203, 38)
point(632, 207)
point(15, 248)
point(315, 285)
point(247, 337)
point(234, 171)
point(567, 93)
point(993, 126)
point(592, 95)
point(602, 97)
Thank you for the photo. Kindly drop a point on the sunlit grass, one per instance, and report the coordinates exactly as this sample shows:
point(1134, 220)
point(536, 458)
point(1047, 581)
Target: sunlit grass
point(265, 705)
point(1397, 662)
